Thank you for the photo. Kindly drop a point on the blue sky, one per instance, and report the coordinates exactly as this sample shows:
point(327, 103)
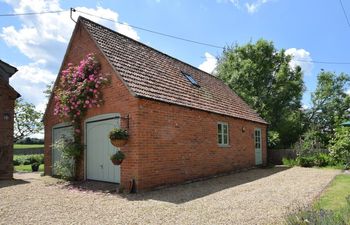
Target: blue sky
point(309, 30)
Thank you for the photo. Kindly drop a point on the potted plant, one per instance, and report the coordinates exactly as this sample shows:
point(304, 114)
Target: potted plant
point(35, 167)
point(117, 158)
point(118, 137)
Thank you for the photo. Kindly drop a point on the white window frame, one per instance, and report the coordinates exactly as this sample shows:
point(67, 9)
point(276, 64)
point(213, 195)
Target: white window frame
point(222, 134)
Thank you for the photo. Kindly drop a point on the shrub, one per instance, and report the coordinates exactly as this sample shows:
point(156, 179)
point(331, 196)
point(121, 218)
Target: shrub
point(322, 160)
point(306, 161)
point(28, 159)
point(290, 162)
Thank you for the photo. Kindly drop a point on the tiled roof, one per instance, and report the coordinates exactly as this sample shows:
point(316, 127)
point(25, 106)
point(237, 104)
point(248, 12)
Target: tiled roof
point(154, 75)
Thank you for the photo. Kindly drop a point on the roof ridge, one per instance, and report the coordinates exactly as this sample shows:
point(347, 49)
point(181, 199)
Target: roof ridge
point(150, 47)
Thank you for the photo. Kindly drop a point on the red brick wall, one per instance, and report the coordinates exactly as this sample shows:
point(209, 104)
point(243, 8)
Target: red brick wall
point(181, 144)
point(7, 101)
point(168, 143)
point(117, 100)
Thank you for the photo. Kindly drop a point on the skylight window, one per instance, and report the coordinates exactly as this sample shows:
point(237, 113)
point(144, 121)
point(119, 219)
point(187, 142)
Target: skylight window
point(190, 78)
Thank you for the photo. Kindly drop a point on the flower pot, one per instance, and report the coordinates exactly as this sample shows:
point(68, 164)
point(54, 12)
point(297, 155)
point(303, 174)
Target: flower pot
point(116, 161)
point(119, 142)
point(35, 167)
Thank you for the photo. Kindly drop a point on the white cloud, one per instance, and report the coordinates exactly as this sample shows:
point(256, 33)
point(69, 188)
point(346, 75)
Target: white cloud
point(44, 38)
point(302, 58)
point(251, 6)
point(30, 81)
point(125, 29)
point(39, 37)
point(305, 107)
point(209, 63)
point(254, 6)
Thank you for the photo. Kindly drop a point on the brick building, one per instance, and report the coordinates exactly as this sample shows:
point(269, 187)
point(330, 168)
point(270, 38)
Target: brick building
point(7, 103)
point(183, 123)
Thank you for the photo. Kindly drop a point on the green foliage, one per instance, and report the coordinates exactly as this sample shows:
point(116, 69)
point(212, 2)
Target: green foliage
point(322, 160)
point(119, 155)
point(273, 139)
point(28, 168)
point(340, 146)
point(261, 75)
point(27, 120)
point(118, 133)
point(65, 168)
point(29, 140)
point(70, 151)
point(306, 161)
point(290, 162)
point(330, 104)
point(28, 159)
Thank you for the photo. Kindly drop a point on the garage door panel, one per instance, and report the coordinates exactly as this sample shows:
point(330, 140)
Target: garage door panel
point(99, 150)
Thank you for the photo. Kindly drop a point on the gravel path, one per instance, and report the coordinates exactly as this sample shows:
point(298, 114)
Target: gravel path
point(259, 196)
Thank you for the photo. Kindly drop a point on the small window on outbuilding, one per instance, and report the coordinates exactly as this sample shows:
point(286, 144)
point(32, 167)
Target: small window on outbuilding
point(223, 134)
point(190, 78)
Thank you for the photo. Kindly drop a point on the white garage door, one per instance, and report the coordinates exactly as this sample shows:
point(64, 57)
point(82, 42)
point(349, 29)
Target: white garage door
point(99, 149)
point(59, 131)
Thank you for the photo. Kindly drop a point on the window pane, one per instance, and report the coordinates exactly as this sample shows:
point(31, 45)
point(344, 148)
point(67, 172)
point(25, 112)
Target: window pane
point(225, 129)
point(225, 140)
point(219, 138)
point(219, 128)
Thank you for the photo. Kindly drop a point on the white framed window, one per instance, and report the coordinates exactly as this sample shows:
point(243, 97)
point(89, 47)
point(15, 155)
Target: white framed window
point(223, 134)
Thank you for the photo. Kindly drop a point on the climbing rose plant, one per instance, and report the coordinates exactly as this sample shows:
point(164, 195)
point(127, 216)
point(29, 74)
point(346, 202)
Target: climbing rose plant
point(79, 89)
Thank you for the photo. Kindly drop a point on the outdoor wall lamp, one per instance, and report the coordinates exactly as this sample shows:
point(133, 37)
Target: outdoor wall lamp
point(243, 129)
point(6, 116)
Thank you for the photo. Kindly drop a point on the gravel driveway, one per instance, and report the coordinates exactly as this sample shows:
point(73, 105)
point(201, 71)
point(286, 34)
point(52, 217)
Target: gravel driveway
point(258, 196)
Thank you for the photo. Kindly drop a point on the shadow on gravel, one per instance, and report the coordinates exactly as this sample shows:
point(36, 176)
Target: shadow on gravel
point(91, 186)
point(7, 183)
point(187, 192)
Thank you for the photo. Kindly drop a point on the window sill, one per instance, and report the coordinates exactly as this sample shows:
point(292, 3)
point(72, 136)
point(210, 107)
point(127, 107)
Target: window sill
point(224, 146)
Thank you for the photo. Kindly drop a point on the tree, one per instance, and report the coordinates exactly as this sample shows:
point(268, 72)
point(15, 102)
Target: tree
point(340, 146)
point(261, 75)
point(27, 120)
point(330, 104)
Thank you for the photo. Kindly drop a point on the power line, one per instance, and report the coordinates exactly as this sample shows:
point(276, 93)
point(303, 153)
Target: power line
point(346, 16)
point(154, 32)
point(33, 13)
point(303, 60)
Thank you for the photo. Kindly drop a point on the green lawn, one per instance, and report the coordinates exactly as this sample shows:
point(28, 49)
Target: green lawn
point(334, 198)
point(24, 146)
point(28, 168)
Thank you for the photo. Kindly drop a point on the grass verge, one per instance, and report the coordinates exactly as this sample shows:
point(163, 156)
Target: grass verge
point(334, 198)
point(333, 206)
point(24, 146)
point(28, 168)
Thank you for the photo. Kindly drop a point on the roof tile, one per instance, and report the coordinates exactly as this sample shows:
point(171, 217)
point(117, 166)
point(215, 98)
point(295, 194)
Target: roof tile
point(155, 75)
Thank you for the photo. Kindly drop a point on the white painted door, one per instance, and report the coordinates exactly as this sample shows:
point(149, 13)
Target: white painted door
point(258, 149)
point(99, 149)
point(57, 133)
